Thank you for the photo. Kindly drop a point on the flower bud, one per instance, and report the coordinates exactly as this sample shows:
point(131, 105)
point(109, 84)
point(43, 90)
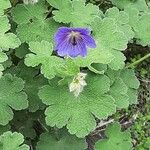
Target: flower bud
point(78, 84)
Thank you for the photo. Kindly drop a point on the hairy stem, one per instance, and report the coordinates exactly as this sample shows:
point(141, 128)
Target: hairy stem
point(138, 61)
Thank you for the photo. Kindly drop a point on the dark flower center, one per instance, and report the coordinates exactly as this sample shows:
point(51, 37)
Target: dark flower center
point(74, 37)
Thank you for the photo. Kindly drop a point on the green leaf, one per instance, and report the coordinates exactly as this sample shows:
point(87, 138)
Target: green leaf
point(140, 23)
point(98, 68)
point(124, 85)
point(139, 4)
point(7, 40)
point(120, 17)
point(133, 14)
point(1, 70)
point(59, 4)
point(7, 64)
point(119, 92)
point(22, 50)
point(121, 4)
point(3, 56)
point(69, 68)
point(129, 78)
point(116, 140)
point(125, 88)
point(4, 24)
point(132, 82)
point(4, 4)
point(13, 141)
point(113, 75)
point(79, 111)
point(75, 12)
point(11, 96)
point(94, 56)
point(122, 20)
point(105, 31)
point(4, 129)
point(23, 122)
point(37, 30)
point(41, 54)
point(142, 30)
point(66, 142)
point(25, 13)
point(118, 61)
point(33, 82)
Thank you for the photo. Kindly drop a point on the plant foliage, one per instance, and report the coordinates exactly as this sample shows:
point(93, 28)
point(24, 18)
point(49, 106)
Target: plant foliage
point(115, 139)
point(36, 100)
point(13, 141)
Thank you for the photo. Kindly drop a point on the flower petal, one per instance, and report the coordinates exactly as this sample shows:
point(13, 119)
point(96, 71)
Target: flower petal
point(63, 30)
point(85, 31)
point(61, 34)
point(79, 49)
point(89, 41)
point(73, 51)
point(63, 47)
point(83, 48)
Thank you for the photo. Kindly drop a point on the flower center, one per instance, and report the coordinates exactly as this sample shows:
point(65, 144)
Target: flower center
point(73, 37)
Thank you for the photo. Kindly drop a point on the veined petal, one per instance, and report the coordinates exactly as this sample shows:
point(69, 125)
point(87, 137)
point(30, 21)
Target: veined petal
point(73, 51)
point(63, 30)
point(89, 41)
point(73, 41)
point(79, 49)
point(63, 48)
point(62, 34)
point(60, 39)
point(83, 48)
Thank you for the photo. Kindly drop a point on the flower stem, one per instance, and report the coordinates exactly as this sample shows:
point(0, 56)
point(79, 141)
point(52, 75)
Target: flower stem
point(138, 61)
point(43, 126)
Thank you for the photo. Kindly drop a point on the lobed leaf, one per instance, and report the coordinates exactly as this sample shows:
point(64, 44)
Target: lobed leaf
point(141, 5)
point(66, 142)
point(13, 141)
point(1, 70)
point(42, 55)
point(116, 140)
point(22, 50)
point(4, 4)
point(79, 111)
point(105, 31)
point(75, 12)
point(139, 21)
point(119, 60)
point(129, 78)
point(124, 85)
point(4, 129)
point(37, 31)
point(7, 40)
point(94, 56)
point(27, 13)
point(11, 97)
point(142, 30)
point(122, 20)
point(33, 81)
point(59, 4)
point(24, 123)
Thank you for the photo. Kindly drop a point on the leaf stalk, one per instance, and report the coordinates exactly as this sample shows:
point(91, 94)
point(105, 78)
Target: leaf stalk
point(138, 61)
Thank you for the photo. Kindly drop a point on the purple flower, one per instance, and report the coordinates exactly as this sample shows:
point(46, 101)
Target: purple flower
point(73, 41)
